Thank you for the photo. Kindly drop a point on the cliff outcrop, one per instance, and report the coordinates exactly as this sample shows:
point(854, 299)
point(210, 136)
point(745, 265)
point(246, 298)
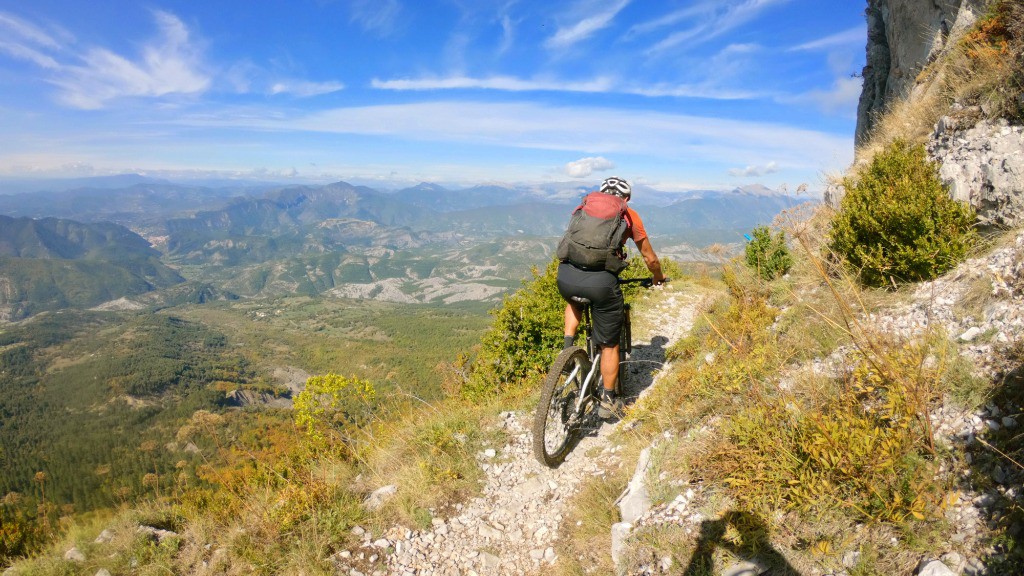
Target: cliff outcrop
point(903, 37)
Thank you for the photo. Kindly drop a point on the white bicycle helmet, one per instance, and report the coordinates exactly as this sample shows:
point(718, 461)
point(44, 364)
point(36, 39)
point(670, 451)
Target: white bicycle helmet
point(617, 186)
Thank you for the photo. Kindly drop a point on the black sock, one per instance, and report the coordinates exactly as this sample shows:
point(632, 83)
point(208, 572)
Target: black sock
point(567, 343)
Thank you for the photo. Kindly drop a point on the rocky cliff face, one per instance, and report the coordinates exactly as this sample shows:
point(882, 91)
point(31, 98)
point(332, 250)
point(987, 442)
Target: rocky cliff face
point(980, 159)
point(903, 36)
point(983, 165)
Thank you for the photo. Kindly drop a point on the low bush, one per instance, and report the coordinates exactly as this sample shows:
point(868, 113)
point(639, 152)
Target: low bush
point(527, 333)
point(897, 223)
point(524, 338)
point(331, 407)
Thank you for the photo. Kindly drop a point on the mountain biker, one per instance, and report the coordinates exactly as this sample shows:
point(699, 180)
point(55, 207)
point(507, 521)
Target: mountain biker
point(601, 287)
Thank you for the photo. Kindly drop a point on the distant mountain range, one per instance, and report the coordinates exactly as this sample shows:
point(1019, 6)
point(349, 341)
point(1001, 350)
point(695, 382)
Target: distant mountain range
point(415, 244)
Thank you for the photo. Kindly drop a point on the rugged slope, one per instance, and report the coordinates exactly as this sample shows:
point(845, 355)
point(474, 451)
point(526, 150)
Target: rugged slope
point(903, 37)
point(513, 527)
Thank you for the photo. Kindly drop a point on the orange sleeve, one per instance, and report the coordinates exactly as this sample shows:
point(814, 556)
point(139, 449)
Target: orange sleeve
point(636, 226)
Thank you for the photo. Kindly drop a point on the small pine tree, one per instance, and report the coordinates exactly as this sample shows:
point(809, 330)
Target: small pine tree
point(897, 222)
point(768, 254)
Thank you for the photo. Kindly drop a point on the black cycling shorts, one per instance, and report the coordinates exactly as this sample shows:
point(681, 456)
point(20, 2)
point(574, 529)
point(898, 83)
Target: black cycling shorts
point(602, 289)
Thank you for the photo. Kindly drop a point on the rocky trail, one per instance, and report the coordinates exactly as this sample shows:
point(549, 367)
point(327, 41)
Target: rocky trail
point(512, 527)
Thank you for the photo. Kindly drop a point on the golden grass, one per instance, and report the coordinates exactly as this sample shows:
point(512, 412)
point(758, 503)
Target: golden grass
point(739, 402)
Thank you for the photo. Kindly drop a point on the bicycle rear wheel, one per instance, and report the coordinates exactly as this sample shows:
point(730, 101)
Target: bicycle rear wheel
point(555, 421)
point(625, 347)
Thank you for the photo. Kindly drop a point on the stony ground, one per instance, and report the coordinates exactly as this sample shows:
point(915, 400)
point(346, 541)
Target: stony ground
point(512, 527)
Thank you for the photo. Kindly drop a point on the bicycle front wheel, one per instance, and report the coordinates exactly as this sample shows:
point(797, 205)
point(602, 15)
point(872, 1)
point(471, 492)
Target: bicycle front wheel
point(556, 420)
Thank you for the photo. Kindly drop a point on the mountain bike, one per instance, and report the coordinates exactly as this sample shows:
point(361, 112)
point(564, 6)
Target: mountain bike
point(573, 386)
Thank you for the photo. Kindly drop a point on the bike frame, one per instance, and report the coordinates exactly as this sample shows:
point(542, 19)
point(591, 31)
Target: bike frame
point(594, 352)
point(567, 394)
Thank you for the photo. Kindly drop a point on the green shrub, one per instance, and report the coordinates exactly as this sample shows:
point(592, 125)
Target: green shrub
point(768, 254)
point(527, 331)
point(330, 406)
point(525, 336)
point(897, 223)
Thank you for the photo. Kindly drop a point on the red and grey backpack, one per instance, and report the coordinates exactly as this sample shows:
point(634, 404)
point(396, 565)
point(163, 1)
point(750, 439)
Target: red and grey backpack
point(595, 235)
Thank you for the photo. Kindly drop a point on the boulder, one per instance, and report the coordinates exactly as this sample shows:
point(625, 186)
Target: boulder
point(620, 531)
point(636, 501)
point(934, 568)
point(379, 496)
point(983, 165)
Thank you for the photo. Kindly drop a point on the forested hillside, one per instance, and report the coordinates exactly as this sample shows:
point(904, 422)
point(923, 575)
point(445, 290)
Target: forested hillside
point(51, 264)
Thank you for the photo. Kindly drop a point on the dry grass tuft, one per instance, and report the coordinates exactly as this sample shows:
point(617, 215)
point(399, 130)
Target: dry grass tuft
point(808, 453)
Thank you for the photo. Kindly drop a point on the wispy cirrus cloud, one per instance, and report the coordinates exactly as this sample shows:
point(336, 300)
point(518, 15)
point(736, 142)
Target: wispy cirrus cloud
point(841, 98)
point(376, 16)
point(27, 53)
point(588, 18)
point(586, 166)
point(603, 84)
point(708, 21)
point(673, 18)
point(305, 88)
point(502, 83)
point(19, 30)
point(853, 36)
point(596, 131)
point(24, 41)
point(170, 64)
point(508, 29)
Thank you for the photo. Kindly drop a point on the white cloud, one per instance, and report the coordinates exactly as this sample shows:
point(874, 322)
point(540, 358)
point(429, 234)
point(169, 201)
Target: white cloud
point(586, 166)
point(755, 171)
point(841, 99)
point(22, 52)
point(504, 83)
point(591, 20)
point(673, 18)
point(508, 33)
point(594, 131)
point(303, 89)
point(853, 36)
point(25, 41)
point(15, 27)
point(170, 65)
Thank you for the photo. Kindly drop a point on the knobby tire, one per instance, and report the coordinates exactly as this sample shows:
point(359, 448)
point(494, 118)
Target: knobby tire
point(625, 347)
point(555, 424)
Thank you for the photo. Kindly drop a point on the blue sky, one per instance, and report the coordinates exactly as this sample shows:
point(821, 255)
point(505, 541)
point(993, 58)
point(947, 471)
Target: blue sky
point(674, 94)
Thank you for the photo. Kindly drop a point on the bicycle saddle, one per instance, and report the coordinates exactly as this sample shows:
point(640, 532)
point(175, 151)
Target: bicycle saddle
point(581, 300)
